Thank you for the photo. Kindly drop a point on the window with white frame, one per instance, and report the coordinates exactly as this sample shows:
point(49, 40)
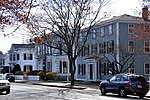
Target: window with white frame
point(147, 68)
point(102, 32)
point(63, 67)
point(27, 56)
point(131, 67)
point(131, 46)
point(147, 47)
point(130, 27)
point(110, 29)
point(81, 69)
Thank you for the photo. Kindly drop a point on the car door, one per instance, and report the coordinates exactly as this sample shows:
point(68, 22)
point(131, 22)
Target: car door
point(117, 83)
point(111, 83)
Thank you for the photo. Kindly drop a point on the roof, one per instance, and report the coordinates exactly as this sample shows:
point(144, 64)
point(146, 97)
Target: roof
point(23, 46)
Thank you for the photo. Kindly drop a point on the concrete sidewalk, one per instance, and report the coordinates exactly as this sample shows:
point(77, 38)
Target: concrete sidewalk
point(78, 85)
point(52, 84)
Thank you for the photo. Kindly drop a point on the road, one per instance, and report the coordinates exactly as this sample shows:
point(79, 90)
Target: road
point(21, 91)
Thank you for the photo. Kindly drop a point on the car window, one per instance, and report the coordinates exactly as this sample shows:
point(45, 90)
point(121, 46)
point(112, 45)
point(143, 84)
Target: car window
point(118, 78)
point(124, 78)
point(138, 79)
point(1, 77)
point(113, 78)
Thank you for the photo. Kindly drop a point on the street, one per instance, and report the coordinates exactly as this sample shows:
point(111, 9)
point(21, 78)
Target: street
point(21, 91)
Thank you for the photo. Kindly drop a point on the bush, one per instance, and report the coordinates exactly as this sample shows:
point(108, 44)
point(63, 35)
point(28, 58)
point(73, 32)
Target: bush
point(41, 74)
point(51, 75)
point(16, 68)
point(19, 73)
point(35, 72)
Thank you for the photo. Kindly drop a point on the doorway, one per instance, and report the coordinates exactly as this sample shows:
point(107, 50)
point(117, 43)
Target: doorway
point(91, 71)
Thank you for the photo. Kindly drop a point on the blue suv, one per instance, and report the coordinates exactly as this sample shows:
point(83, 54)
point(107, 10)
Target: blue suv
point(125, 84)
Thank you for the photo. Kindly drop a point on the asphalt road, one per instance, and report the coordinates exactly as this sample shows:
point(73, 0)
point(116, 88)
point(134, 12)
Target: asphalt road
point(21, 91)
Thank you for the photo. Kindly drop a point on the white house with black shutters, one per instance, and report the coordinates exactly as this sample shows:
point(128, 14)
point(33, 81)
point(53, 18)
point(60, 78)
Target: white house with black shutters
point(23, 55)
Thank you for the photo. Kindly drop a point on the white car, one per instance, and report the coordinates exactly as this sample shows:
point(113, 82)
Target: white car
point(4, 84)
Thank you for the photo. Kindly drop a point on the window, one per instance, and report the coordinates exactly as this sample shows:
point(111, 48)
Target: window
point(14, 57)
point(130, 27)
point(27, 56)
point(147, 68)
point(10, 58)
point(110, 29)
point(63, 67)
point(27, 68)
point(131, 46)
point(131, 67)
point(18, 57)
point(81, 69)
point(102, 32)
point(146, 47)
point(110, 46)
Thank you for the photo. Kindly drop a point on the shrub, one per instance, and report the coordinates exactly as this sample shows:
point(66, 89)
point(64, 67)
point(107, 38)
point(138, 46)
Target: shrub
point(16, 68)
point(41, 74)
point(51, 75)
point(35, 72)
point(19, 73)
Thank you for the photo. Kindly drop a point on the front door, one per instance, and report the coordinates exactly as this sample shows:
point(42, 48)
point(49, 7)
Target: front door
point(91, 71)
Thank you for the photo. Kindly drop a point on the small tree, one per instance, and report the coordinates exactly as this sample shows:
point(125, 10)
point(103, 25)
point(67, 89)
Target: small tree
point(119, 65)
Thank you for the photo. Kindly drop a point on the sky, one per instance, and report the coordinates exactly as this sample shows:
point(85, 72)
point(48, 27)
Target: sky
point(119, 7)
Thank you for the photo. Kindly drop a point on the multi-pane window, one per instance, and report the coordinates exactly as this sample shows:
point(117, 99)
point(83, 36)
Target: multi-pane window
point(10, 58)
point(102, 32)
point(100, 48)
point(131, 46)
point(18, 57)
point(14, 57)
point(92, 48)
point(110, 46)
point(27, 56)
point(130, 27)
point(81, 69)
point(147, 68)
point(95, 48)
point(146, 47)
point(110, 29)
point(131, 67)
point(63, 67)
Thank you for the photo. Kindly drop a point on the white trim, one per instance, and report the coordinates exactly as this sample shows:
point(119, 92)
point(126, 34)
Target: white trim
point(117, 41)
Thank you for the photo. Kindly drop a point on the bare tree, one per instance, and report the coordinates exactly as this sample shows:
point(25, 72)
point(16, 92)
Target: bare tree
point(66, 25)
point(120, 65)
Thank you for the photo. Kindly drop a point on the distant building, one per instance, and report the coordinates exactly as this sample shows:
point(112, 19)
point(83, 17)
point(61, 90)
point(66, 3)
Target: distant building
point(23, 55)
point(2, 60)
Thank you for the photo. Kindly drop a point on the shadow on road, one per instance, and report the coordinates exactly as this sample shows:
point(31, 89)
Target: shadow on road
point(129, 97)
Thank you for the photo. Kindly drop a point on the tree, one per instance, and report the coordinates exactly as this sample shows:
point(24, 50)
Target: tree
point(65, 25)
point(120, 66)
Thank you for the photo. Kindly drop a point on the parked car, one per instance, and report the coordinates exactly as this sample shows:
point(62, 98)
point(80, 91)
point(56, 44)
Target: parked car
point(10, 77)
point(4, 84)
point(125, 84)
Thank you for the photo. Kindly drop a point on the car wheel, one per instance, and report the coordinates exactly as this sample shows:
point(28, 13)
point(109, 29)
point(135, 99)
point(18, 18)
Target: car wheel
point(122, 92)
point(103, 91)
point(142, 95)
point(7, 91)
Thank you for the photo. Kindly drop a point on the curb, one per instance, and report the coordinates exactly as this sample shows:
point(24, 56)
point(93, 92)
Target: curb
point(66, 86)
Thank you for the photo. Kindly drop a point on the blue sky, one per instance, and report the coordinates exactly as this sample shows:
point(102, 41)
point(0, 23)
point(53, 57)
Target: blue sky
point(119, 7)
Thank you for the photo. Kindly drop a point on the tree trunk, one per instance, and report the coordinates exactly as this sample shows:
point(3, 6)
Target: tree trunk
point(73, 69)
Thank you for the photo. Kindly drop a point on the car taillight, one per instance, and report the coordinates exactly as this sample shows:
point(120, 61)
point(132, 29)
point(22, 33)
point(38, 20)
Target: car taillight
point(129, 84)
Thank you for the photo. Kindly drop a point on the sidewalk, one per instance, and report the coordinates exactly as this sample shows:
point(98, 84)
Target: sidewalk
point(78, 85)
point(52, 84)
